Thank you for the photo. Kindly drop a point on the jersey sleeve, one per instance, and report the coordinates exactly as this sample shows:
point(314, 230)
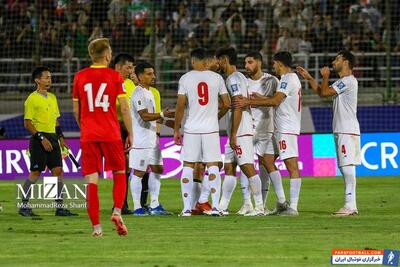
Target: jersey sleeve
point(271, 85)
point(121, 92)
point(340, 86)
point(157, 99)
point(284, 86)
point(181, 88)
point(28, 109)
point(75, 89)
point(56, 107)
point(138, 100)
point(234, 87)
point(221, 87)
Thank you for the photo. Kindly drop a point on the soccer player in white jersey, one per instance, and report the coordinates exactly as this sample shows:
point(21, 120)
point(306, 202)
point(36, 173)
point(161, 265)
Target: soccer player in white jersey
point(264, 141)
point(199, 91)
point(345, 124)
point(287, 119)
point(240, 150)
point(146, 151)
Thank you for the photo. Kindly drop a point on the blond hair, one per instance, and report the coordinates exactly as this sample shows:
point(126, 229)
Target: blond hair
point(98, 47)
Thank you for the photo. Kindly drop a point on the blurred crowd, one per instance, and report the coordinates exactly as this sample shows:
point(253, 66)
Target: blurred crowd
point(63, 28)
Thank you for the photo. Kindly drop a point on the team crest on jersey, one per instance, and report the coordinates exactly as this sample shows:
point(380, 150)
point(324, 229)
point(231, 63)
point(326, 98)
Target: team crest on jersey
point(234, 87)
point(283, 85)
point(341, 85)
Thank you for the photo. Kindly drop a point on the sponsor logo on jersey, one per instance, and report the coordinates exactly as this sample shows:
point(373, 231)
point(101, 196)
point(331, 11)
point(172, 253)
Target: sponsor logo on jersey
point(283, 85)
point(234, 87)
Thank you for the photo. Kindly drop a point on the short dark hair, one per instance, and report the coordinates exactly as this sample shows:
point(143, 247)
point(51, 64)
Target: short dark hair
point(347, 55)
point(141, 66)
point(38, 71)
point(255, 54)
point(210, 53)
point(122, 58)
point(284, 57)
point(199, 53)
point(229, 52)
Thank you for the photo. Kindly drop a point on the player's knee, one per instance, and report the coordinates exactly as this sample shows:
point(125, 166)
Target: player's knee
point(56, 171)
point(212, 177)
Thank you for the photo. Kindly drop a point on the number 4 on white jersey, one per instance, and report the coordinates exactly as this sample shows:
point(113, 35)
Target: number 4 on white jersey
point(100, 101)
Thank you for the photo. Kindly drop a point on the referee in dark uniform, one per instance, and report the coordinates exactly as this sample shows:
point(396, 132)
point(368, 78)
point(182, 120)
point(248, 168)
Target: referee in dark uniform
point(40, 119)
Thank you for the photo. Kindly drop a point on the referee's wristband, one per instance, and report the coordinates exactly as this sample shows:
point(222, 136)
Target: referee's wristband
point(39, 136)
point(162, 115)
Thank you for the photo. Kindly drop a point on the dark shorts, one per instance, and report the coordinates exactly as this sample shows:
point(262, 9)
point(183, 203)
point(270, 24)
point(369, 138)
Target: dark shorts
point(40, 158)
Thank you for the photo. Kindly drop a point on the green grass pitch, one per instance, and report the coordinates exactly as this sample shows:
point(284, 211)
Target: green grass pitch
point(306, 240)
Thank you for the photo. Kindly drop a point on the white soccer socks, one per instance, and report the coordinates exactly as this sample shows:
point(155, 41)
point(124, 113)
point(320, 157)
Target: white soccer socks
point(349, 175)
point(228, 186)
point(136, 189)
point(186, 188)
point(277, 182)
point(154, 189)
point(295, 185)
point(214, 179)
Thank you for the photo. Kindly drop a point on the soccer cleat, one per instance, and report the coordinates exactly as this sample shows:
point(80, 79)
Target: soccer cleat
point(280, 207)
point(257, 211)
point(289, 212)
point(27, 212)
point(345, 212)
point(126, 211)
point(119, 224)
point(245, 209)
point(185, 213)
point(140, 212)
point(267, 211)
point(215, 212)
point(205, 208)
point(224, 212)
point(197, 212)
point(97, 233)
point(64, 212)
point(159, 210)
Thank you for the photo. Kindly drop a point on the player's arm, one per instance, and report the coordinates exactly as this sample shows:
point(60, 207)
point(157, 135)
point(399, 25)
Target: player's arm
point(39, 136)
point(258, 100)
point(236, 118)
point(224, 106)
point(127, 119)
point(179, 111)
point(323, 90)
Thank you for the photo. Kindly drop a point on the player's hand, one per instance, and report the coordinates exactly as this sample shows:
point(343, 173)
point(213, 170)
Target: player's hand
point(168, 113)
point(233, 142)
point(128, 142)
point(240, 102)
point(63, 145)
point(178, 138)
point(47, 145)
point(256, 96)
point(325, 72)
point(303, 73)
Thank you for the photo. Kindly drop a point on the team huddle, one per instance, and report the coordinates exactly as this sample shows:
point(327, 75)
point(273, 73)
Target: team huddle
point(263, 119)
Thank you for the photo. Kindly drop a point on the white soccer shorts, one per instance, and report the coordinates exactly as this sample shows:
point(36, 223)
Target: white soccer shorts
point(347, 149)
point(287, 145)
point(244, 154)
point(266, 145)
point(201, 148)
point(141, 159)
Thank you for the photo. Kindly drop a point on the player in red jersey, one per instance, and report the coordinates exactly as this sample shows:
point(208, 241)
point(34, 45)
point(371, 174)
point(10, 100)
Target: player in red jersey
point(95, 92)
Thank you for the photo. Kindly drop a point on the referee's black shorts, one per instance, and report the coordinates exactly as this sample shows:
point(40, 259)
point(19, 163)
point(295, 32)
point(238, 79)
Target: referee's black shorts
point(40, 158)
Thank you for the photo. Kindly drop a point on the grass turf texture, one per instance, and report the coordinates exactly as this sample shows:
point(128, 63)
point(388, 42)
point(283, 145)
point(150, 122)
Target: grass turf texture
point(306, 240)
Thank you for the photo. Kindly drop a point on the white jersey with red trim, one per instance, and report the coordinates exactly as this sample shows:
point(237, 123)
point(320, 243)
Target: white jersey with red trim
point(263, 117)
point(345, 106)
point(288, 114)
point(202, 89)
point(238, 85)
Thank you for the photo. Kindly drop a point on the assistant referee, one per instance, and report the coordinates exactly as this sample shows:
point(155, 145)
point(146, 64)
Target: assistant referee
point(40, 119)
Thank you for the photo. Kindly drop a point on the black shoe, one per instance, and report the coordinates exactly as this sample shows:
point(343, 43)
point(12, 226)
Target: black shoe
point(126, 211)
point(64, 212)
point(27, 212)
